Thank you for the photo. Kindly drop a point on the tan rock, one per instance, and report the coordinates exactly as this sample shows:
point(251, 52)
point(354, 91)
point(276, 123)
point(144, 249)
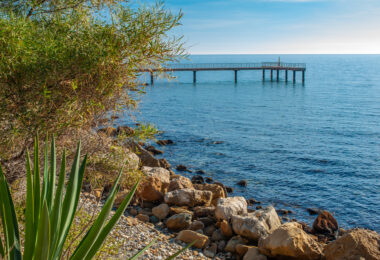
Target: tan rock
point(233, 242)
point(254, 254)
point(188, 197)
point(179, 221)
point(211, 250)
point(226, 229)
point(177, 210)
point(189, 236)
point(354, 244)
point(154, 185)
point(151, 189)
point(178, 182)
point(204, 211)
point(227, 207)
point(256, 224)
point(161, 211)
point(120, 197)
point(290, 241)
point(143, 217)
point(197, 225)
point(217, 191)
point(158, 172)
point(242, 249)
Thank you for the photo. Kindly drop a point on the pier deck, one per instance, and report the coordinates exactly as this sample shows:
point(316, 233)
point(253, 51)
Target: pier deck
point(264, 66)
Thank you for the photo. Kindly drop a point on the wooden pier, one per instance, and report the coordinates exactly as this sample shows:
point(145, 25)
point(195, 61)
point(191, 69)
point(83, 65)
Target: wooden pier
point(264, 66)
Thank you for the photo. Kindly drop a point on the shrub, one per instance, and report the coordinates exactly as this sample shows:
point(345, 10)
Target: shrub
point(50, 211)
point(64, 63)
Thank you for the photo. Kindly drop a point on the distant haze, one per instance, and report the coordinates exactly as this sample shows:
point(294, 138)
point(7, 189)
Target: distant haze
point(279, 26)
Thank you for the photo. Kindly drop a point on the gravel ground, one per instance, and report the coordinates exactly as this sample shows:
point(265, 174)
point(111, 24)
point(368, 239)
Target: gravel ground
point(131, 235)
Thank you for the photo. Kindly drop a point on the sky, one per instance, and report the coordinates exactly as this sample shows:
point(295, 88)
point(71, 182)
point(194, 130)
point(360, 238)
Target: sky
point(279, 26)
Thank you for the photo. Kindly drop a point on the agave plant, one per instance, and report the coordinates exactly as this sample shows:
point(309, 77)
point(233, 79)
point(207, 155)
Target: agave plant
point(50, 211)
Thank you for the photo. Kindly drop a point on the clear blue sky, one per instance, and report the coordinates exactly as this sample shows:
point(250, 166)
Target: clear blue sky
point(279, 26)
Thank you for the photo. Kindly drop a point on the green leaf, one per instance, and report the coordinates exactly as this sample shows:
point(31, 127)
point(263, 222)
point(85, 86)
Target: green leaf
point(91, 236)
point(144, 249)
point(45, 182)
point(57, 207)
point(43, 239)
point(71, 200)
point(53, 166)
point(181, 251)
point(36, 184)
point(9, 220)
point(109, 226)
point(29, 243)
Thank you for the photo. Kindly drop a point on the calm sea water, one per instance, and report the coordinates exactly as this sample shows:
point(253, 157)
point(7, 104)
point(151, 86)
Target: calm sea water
point(298, 146)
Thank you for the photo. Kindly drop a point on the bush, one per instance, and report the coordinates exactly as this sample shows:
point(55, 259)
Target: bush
point(50, 210)
point(64, 63)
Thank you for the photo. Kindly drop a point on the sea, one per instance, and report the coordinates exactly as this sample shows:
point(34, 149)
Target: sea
point(298, 146)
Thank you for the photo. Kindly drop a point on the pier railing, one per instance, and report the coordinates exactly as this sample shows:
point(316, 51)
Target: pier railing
point(261, 65)
point(264, 66)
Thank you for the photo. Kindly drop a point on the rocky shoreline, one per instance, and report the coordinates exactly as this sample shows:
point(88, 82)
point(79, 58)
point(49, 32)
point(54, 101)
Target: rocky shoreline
point(226, 228)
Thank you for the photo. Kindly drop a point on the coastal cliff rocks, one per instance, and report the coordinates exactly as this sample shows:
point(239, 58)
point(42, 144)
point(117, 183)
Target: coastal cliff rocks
point(189, 236)
point(179, 182)
point(325, 223)
point(188, 197)
point(290, 241)
point(227, 207)
point(217, 191)
point(257, 224)
point(355, 244)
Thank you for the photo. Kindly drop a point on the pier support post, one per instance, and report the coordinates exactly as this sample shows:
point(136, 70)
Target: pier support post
point(278, 75)
point(194, 76)
point(303, 77)
point(236, 76)
point(151, 78)
point(286, 75)
point(263, 75)
point(271, 75)
point(294, 76)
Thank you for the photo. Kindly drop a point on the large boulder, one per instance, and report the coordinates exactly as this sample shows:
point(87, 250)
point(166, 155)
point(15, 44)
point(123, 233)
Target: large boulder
point(355, 244)
point(227, 207)
point(217, 191)
point(179, 221)
point(179, 182)
point(189, 236)
point(325, 223)
point(256, 224)
point(158, 172)
point(290, 241)
point(154, 185)
point(188, 197)
point(151, 189)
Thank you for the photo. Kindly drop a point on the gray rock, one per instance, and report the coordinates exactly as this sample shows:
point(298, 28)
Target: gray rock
point(227, 207)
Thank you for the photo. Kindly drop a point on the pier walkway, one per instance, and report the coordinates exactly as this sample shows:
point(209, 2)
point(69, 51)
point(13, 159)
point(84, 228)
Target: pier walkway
point(264, 66)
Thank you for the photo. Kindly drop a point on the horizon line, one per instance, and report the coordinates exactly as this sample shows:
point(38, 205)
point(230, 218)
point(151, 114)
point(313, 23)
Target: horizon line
point(284, 53)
